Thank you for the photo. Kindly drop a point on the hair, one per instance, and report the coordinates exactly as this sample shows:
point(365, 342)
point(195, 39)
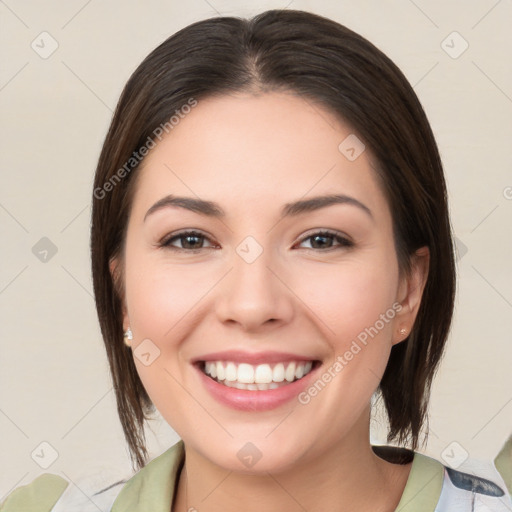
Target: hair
point(326, 63)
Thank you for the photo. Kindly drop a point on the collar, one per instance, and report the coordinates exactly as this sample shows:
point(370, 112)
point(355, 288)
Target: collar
point(152, 487)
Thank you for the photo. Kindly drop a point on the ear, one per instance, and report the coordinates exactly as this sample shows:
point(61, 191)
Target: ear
point(410, 292)
point(116, 272)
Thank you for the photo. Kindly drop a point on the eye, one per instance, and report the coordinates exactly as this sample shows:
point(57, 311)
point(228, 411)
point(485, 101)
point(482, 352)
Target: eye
point(324, 240)
point(191, 241)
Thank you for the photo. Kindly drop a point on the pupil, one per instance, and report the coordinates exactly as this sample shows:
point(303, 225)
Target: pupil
point(321, 237)
point(191, 237)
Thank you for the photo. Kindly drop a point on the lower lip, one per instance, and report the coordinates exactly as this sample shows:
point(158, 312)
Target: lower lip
point(245, 400)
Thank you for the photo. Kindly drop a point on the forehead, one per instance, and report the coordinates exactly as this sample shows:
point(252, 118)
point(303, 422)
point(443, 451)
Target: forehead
point(259, 150)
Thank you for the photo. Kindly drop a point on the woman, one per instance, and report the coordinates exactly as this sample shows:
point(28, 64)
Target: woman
point(270, 236)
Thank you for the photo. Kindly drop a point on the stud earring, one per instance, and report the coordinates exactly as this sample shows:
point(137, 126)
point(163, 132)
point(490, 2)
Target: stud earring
point(128, 337)
point(403, 331)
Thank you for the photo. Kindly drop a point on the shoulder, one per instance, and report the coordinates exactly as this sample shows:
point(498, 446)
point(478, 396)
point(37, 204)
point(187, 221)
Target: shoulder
point(53, 493)
point(475, 487)
point(106, 489)
point(503, 463)
point(40, 495)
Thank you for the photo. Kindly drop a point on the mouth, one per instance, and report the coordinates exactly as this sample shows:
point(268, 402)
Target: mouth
point(256, 377)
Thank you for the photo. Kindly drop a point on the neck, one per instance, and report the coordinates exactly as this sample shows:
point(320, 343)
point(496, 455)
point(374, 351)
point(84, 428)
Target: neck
point(347, 476)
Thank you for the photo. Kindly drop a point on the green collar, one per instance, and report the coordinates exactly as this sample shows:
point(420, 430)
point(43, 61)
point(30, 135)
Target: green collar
point(423, 487)
point(153, 487)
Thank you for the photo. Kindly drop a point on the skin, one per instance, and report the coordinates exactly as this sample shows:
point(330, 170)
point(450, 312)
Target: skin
point(251, 154)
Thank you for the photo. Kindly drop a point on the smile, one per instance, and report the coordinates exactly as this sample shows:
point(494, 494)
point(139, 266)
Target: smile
point(259, 377)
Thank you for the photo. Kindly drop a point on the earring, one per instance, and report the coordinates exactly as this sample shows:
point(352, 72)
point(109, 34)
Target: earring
point(128, 337)
point(403, 331)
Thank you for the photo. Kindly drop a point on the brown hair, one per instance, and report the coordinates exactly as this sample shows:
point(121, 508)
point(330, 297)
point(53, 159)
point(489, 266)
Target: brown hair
point(327, 63)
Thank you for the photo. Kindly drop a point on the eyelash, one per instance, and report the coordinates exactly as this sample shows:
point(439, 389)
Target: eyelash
point(342, 240)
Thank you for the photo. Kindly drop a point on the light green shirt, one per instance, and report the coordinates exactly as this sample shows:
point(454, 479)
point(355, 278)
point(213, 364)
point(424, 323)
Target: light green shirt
point(431, 487)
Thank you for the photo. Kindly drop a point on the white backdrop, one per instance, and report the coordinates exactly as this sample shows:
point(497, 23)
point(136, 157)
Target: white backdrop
point(64, 65)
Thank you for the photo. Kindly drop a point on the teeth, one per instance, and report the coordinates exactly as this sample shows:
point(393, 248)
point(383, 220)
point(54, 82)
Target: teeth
point(221, 374)
point(263, 374)
point(245, 373)
point(256, 377)
point(278, 373)
point(289, 374)
point(231, 373)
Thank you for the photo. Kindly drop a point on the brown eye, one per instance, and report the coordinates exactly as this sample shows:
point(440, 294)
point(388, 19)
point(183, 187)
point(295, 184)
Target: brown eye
point(325, 240)
point(189, 241)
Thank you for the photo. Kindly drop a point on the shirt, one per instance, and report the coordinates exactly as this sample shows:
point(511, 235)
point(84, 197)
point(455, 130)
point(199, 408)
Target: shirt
point(431, 487)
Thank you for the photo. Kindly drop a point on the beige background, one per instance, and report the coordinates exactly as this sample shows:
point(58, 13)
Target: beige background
point(55, 385)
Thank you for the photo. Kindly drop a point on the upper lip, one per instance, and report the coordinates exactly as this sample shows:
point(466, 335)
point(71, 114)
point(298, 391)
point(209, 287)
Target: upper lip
point(239, 356)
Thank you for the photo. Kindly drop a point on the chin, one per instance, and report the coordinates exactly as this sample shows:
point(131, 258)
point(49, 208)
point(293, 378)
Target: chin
point(256, 455)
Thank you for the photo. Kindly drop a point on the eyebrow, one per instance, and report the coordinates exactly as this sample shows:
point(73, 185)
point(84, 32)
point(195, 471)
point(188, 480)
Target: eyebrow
point(212, 209)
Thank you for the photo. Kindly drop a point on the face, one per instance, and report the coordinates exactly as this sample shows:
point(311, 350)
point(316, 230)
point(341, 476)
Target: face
point(291, 310)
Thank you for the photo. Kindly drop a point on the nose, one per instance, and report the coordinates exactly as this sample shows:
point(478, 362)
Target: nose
point(254, 294)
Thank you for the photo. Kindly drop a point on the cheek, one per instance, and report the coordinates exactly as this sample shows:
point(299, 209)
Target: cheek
point(352, 298)
point(160, 295)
